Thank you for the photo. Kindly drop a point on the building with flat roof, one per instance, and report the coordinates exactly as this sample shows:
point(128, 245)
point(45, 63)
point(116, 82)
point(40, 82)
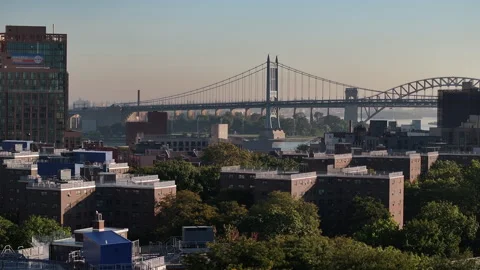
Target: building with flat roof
point(380, 161)
point(33, 84)
point(126, 200)
point(337, 189)
point(332, 191)
point(455, 106)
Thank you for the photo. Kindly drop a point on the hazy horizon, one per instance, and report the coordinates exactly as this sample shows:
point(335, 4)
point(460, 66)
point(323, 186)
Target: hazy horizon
point(168, 47)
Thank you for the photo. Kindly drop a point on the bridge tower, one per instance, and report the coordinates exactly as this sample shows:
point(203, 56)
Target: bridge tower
point(272, 127)
point(351, 111)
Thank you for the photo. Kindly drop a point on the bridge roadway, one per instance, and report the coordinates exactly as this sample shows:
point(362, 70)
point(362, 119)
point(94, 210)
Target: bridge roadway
point(342, 103)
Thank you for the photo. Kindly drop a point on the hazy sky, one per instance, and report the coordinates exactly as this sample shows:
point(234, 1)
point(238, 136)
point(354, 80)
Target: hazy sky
point(166, 47)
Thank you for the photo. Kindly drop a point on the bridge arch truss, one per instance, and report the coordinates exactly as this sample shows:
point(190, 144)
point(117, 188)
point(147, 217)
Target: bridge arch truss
point(417, 90)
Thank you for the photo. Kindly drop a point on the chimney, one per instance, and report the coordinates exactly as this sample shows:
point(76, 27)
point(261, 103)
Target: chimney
point(98, 223)
point(138, 103)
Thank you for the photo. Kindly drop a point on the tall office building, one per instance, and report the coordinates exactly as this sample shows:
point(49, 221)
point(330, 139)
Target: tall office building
point(33, 84)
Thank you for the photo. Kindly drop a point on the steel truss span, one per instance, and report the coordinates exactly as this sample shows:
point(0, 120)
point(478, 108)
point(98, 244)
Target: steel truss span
point(273, 85)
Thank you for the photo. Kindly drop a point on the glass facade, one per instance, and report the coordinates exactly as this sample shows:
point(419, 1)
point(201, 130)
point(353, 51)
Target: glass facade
point(33, 93)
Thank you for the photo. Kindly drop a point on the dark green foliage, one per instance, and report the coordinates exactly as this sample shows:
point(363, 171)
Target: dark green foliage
point(364, 211)
point(280, 214)
point(184, 209)
point(36, 227)
point(310, 252)
point(439, 229)
point(383, 232)
point(226, 154)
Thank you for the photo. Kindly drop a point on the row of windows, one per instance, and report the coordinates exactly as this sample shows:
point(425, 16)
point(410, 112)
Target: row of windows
point(47, 46)
point(33, 75)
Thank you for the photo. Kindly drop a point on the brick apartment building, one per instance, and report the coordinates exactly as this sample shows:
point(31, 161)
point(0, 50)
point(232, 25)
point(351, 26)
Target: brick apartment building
point(427, 160)
point(71, 203)
point(379, 161)
point(332, 191)
point(98, 184)
point(262, 182)
point(128, 201)
point(321, 162)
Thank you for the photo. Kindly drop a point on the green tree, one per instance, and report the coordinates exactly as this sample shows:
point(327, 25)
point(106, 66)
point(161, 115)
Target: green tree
point(383, 232)
point(364, 211)
point(240, 254)
point(183, 209)
point(309, 252)
point(303, 147)
point(440, 229)
point(9, 234)
point(230, 214)
point(41, 228)
point(226, 154)
point(281, 214)
point(444, 170)
point(349, 254)
point(208, 179)
point(183, 172)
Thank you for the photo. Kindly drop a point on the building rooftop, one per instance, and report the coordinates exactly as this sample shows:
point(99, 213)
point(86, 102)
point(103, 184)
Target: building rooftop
point(8, 154)
point(277, 176)
point(329, 156)
point(19, 164)
point(90, 229)
point(64, 185)
point(136, 181)
point(387, 156)
point(69, 242)
point(106, 238)
point(114, 165)
point(459, 153)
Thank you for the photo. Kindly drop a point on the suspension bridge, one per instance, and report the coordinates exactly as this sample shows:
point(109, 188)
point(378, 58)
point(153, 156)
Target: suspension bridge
point(272, 86)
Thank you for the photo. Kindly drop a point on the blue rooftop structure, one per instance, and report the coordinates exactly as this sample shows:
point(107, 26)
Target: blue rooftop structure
point(9, 145)
point(81, 156)
point(106, 247)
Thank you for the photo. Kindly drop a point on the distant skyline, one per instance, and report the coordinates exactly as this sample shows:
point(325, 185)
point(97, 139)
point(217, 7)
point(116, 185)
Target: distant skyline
point(168, 47)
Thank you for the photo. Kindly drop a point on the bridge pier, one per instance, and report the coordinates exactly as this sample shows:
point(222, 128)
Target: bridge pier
point(191, 114)
point(351, 111)
point(176, 114)
point(311, 115)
